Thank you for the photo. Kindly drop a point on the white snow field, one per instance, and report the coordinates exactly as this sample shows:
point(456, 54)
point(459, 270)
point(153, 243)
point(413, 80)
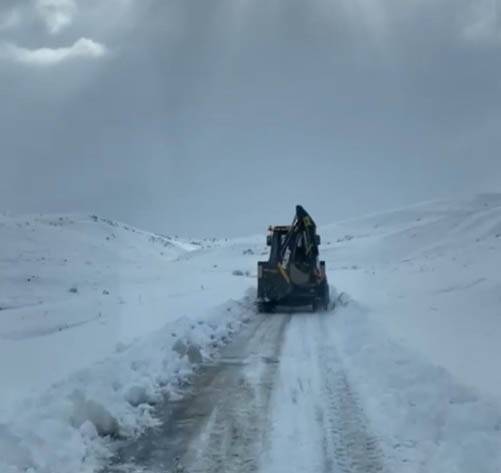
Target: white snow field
point(99, 321)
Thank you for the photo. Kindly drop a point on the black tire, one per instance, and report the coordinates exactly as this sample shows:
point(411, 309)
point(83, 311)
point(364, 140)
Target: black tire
point(265, 307)
point(320, 305)
point(325, 298)
point(325, 305)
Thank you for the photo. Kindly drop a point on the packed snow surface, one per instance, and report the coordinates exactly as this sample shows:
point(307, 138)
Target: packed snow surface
point(100, 321)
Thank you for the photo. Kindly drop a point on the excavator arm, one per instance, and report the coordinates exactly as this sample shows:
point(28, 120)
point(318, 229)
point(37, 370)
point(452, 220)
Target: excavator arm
point(302, 234)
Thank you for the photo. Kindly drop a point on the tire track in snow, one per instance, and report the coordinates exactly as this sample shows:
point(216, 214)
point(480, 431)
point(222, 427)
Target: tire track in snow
point(278, 400)
point(234, 433)
point(317, 424)
point(219, 426)
point(349, 445)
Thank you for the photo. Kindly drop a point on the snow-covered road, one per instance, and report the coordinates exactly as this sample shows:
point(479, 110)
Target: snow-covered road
point(278, 400)
point(316, 421)
point(97, 320)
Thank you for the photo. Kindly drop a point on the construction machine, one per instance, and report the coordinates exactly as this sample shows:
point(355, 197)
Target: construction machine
point(293, 276)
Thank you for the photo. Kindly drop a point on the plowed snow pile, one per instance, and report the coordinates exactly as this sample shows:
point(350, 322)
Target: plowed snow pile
point(99, 321)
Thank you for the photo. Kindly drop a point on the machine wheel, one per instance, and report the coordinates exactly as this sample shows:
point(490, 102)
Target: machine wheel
point(316, 305)
point(265, 307)
point(325, 305)
point(320, 305)
point(325, 299)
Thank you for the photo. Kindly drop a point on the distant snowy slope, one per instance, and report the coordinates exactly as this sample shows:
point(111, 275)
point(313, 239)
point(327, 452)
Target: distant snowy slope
point(67, 281)
point(421, 338)
point(430, 274)
point(52, 266)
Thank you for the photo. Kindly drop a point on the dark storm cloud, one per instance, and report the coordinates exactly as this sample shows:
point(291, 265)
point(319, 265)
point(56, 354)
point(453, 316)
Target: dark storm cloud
point(217, 117)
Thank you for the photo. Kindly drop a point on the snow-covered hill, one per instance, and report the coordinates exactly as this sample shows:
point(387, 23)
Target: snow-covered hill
point(421, 339)
point(73, 272)
point(94, 315)
point(89, 312)
point(431, 275)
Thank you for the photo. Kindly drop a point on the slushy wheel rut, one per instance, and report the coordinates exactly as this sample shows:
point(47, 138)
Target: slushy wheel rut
point(218, 425)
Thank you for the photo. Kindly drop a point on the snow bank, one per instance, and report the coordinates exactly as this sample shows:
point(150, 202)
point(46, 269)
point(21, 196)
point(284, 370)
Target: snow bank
point(430, 276)
point(69, 428)
point(90, 310)
point(427, 420)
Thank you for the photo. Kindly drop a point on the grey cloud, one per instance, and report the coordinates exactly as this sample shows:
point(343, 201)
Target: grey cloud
point(485, 24)
point(9, 20)
point(217, 117)
point(57, 14)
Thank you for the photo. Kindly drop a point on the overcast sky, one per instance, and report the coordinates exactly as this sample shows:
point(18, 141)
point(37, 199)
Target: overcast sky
point(215, 117)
